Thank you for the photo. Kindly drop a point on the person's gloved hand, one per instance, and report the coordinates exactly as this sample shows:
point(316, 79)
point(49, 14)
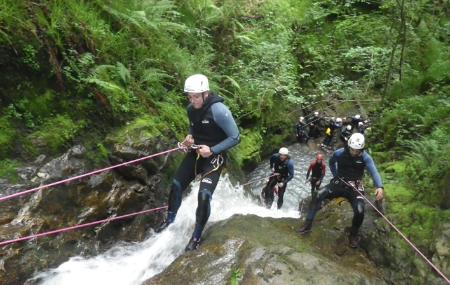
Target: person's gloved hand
point(280, 184)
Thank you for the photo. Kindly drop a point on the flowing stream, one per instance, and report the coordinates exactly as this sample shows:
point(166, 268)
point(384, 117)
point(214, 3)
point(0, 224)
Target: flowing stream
point(133, 263)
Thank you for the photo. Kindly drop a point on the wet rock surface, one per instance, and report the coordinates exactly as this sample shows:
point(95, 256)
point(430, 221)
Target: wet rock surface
point(254, 250)
point(269, 251)
point(98, 197)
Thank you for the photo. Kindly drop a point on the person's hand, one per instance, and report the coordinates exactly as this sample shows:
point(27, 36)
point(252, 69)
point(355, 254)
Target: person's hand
point(188, 141)
point(379, 194)
point(280, 184)
point(318, 182)
point(204, 151)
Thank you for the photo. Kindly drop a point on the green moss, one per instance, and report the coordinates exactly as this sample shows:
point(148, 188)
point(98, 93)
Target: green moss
point(56, 133)
point(248, 149)
point(236, 277)
point(174, 117)
point(8, 170)
point(141, 128)
point(7, 138)
point(42, 105)
point(397, 193)
point(418, 221)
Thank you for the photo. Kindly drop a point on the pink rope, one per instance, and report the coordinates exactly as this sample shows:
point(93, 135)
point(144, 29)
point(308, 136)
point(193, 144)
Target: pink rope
point(85, 175)
point(399, 232)
point(63, 230)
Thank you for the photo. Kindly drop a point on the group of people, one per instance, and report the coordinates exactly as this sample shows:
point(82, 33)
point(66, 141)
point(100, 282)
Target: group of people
point(330, 128)
point(213, 131)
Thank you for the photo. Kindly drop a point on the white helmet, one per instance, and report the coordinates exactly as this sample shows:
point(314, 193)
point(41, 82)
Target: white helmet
point(316, 113)
point(349, 127)
point(356, 141)
point(283, 151)
point(360, 124)
point(357, 116)
point(301, 119)
point(338, 120)
point(196, 83)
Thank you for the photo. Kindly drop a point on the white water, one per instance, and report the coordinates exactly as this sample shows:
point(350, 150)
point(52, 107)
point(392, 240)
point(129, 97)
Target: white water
point(133, 263)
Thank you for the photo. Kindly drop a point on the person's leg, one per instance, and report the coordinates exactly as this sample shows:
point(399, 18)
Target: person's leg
point(183, 176)
point(211, 174)
point(280, 196)
point(358, 206)
point(268, 194)
point(207, 187)
point(313, 189)
point(328, 193)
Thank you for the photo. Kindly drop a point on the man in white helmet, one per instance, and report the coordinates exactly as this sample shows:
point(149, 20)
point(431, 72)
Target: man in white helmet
point(315, 125)
point(356, 119)
point(213, 131)
point(282, 165)
point(347, 166)
point(302, 131)
point(361, 128)
point(346, 132)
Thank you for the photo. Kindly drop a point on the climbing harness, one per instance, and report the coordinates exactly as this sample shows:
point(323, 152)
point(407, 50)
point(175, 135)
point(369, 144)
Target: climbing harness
point(216, 162)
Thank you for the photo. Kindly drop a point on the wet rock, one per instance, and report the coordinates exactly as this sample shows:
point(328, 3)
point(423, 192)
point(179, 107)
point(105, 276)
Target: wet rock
point(98, 197)
point(26, 173)
point(256, 250)
point(40, 159)
point(67, 165)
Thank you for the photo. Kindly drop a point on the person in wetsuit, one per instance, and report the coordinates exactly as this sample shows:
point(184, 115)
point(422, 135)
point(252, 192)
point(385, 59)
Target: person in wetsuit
point(282, 172)
point(213, 131)
point(302, 131)
point(317, 171)
point(347, 166)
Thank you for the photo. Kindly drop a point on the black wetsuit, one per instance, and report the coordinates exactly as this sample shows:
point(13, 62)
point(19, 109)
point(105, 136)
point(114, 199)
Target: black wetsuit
point(350, 169)
point(302, 132)
point(286, 173)
point(214, 126)
point(317, 171)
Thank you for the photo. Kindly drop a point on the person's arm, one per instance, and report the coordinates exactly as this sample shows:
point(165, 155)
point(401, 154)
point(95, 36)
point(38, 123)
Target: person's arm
point(370, 166)
point(309, 171)
point(332, 162)
point(290, 167)
point(323, 171)
point(224, 119)
point(273, 158)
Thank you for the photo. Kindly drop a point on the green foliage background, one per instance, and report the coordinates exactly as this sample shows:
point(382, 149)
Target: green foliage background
point(92, 71)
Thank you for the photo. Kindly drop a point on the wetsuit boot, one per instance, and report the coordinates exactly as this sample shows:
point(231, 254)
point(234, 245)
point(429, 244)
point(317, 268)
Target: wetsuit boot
point(169, 220)
point(354, 238)
point(306, 228)
point(193, 244)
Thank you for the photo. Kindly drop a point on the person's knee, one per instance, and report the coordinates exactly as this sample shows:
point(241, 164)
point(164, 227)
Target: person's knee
point(203, 209)
point(360, 208)
point(204, 196)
